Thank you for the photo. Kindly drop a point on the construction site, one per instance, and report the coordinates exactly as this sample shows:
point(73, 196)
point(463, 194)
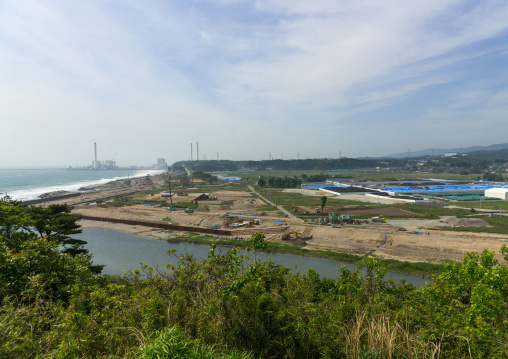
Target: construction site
point(238, 214)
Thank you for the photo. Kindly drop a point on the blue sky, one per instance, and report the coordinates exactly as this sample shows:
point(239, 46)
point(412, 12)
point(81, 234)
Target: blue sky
point(248, 78)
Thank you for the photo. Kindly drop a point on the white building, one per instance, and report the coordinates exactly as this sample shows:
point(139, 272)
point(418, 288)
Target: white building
point(501, 193)
point(161, 164)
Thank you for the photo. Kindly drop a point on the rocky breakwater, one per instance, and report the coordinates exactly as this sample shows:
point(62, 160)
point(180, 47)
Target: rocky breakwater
point(53, 194)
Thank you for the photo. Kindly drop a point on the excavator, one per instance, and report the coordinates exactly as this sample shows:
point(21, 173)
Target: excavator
point(293, 234)
point(286, 235)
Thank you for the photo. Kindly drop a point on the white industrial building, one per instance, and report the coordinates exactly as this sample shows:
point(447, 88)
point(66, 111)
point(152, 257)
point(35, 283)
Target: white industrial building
point(501, 193)
point(160, 165)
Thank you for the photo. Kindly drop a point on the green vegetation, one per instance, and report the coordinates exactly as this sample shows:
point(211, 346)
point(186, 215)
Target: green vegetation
point(54, 224)
point(288, 198)
point(416, 268)
point(322, 202)
point(222, 307)
point(52, 305)
point(498, 225)
point(491, 204)
point(488, 165)
point(171, 343)
point(282, 182)
point(426, 211)
point(492, 176)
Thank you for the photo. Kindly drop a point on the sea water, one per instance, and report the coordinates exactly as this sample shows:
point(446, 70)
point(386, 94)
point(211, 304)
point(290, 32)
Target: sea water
point(27, 184)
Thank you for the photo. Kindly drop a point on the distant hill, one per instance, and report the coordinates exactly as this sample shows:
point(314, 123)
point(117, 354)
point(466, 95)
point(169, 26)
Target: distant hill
point(499, 156)
point(441, 151)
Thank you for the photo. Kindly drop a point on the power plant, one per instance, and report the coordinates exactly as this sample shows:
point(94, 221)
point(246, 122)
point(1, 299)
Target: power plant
point(111, 164)
point(106, 165)
point(197, 152)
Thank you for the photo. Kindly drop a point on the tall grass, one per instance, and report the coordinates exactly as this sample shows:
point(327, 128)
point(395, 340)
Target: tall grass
point(170, 343)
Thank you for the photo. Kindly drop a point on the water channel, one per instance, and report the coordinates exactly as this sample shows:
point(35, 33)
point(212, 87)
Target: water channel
point(122, 251)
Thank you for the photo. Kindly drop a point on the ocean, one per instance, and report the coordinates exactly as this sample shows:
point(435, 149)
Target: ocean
point(27, 184)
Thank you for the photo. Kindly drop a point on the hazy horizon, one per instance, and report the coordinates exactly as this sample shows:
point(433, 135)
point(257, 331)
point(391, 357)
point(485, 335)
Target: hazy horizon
point(246, 78)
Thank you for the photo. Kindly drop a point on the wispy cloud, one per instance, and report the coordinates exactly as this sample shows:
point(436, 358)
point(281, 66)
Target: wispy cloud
point(221, 66)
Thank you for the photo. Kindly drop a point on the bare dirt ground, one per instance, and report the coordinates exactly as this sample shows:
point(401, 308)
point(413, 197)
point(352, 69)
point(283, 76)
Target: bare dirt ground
point(429, 245)
point(358, 211)
point(210, 213)
point(432, 244)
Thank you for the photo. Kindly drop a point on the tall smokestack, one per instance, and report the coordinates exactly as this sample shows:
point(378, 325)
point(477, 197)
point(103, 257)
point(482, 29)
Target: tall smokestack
point(95, 150)
point(197, 150)
point(191, 151)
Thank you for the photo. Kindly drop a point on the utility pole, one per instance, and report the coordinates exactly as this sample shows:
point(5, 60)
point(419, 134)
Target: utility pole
point(170, 194)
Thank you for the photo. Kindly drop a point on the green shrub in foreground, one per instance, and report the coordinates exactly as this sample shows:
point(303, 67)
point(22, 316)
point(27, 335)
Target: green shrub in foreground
point(225, 307)
point(170, 343)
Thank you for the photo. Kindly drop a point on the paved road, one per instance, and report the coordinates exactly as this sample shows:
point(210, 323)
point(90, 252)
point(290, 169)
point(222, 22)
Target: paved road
point(280, 208)
point(189, 173)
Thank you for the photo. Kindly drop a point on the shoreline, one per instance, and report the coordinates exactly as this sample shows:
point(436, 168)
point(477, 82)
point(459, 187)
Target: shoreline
point(92, 193)
point(47, 191)
point(276, 247)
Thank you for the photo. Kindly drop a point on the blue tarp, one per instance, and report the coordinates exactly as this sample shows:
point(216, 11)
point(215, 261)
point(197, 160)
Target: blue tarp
point(450, 188)
point(229, 178)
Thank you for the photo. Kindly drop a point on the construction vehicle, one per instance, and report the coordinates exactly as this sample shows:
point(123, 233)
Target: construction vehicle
point(378, 219)
point(287, 235)
point(293, 234)
point(293, 207)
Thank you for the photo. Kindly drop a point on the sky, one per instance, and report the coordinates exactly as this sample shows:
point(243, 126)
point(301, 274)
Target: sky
point(248, 79)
